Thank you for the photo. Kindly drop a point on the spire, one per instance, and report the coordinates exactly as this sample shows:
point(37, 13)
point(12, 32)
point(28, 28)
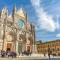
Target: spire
point(4, 12)
point(14, 11)
point(14, 8)
point(0, 14)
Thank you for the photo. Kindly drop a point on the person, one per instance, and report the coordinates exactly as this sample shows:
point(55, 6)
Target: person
point(2, 53)
point(49, 55)
point(8, 54)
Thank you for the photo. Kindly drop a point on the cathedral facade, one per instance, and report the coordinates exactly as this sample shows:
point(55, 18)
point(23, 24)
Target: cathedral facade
point(16, 33)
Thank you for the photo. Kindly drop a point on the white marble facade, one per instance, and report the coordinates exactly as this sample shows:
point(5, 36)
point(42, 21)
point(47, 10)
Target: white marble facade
point(14, 31)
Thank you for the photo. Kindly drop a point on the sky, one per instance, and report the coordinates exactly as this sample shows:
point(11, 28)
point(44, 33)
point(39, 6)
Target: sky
point(44, 14)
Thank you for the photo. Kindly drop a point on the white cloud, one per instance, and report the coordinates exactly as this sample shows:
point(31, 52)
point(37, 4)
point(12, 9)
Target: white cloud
point(35, 2)
point(45, 21)
point(58, 35)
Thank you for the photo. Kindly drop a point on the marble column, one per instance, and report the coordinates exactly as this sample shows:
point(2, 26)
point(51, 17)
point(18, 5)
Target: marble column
point(17, 47)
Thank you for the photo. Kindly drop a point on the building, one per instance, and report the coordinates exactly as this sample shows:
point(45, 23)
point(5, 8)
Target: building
point(52, 47)
point(16, 33)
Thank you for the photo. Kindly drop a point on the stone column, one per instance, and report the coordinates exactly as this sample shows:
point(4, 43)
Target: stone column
point(23, 47)
point(17, 47)
point(34, 49)
point(26, 40)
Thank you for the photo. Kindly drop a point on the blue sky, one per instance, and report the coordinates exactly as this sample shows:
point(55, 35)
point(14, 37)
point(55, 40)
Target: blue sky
point(44, 14)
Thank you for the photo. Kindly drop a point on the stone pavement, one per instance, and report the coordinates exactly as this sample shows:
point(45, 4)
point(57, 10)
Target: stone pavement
point(25, 58)
point(30, 58)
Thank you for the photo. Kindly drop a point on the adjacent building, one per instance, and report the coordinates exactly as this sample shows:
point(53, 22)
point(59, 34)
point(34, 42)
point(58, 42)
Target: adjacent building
point(52, 47)
point(16, 33)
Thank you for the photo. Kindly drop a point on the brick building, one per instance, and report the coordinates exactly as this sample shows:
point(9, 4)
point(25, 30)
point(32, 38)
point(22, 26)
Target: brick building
point(52, 46)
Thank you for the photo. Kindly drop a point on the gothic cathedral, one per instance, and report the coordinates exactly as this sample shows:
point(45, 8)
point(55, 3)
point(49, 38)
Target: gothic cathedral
point(16, 33)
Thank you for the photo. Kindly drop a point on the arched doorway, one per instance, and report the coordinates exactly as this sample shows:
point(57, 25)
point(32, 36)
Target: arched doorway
point(21, 43)
point(28, 48)
point(9, 46)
